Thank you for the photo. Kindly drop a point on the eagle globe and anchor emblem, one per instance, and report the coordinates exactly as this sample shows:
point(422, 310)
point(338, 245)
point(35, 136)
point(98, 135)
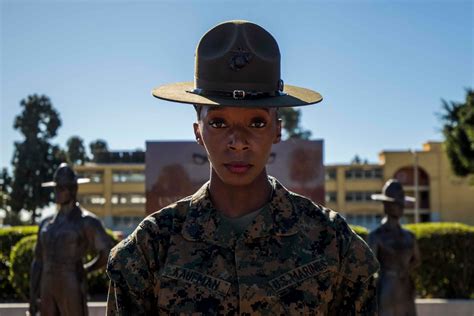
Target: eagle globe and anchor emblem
point(240, 58)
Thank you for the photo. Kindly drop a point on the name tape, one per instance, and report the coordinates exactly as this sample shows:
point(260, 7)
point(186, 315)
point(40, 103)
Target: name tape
point(197, 278)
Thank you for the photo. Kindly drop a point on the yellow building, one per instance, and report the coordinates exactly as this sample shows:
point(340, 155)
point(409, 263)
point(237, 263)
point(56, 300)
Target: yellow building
point(442, 196)
point(116, 192)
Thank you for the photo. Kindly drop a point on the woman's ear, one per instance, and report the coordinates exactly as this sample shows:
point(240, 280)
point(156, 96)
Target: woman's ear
point(197, 134)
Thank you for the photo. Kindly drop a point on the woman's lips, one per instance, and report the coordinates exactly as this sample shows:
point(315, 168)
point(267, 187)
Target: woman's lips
point(238, 167)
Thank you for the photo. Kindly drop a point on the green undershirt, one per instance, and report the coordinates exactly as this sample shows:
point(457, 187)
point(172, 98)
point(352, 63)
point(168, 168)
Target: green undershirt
point(233, 227)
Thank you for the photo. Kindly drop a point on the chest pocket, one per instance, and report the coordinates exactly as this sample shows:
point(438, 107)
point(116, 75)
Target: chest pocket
point(307, 289)
point(183, 290)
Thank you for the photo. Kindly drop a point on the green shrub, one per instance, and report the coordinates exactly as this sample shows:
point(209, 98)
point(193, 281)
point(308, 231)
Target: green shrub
point(361, 231)
point(9, 236)
point(7, 293)
point(447, 260)
point(21, 258)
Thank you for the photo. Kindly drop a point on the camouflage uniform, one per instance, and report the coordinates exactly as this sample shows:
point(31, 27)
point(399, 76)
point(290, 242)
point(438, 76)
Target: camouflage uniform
point(294, 258)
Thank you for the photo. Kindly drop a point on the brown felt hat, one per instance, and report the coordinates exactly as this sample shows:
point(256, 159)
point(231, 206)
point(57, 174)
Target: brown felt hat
point(237, 63)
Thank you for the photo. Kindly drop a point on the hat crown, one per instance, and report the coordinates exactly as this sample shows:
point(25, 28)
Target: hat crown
point(393, 189)
point(238, 55)
point(64, 175)
point(237, 63)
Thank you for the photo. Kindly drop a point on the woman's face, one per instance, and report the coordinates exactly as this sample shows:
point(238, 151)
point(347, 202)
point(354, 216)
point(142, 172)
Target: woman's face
point(238, 140)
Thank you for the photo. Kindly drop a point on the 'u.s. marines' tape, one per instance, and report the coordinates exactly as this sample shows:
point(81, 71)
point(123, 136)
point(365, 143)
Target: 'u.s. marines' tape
point(197, 278)
point(280, 283)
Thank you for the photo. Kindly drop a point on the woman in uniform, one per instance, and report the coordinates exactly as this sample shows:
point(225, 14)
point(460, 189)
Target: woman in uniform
point(242, 244)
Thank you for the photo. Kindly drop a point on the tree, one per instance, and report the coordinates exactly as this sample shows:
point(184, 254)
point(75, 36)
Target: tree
point(291, 123)
point(98, 147)
point(35, 159)
point(356, 160)
point(5, 191)
point(5, 185)
point(76, 151)
point(458, 130)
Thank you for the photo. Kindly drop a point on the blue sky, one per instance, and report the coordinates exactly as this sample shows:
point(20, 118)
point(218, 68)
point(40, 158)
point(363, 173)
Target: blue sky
point(382, 66)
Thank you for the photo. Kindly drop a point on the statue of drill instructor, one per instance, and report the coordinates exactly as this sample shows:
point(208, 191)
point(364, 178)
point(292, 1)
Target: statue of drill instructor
point(397, 251)
point(58, 272)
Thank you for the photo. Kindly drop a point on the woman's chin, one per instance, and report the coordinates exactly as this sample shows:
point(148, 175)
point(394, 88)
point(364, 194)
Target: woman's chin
point(237, 177)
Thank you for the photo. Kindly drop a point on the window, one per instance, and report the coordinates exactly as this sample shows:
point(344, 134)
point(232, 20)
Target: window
point(128, 199)
point(378, 174)
point(94, 176)
point(359, 196)
point(331, 196)
point(91, 199)
point(128, 176)
point(331, 174)
point(358, 173)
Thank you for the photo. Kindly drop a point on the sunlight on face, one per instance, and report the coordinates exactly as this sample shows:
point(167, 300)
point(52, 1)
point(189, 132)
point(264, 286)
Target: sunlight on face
point(238, 140)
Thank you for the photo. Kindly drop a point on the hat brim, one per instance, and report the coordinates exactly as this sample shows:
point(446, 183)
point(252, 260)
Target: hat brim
point(294, 96)
point(384, 198)
point(53, 183)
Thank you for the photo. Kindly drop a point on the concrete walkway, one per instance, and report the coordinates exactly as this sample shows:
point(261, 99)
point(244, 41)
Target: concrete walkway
point(425, 307)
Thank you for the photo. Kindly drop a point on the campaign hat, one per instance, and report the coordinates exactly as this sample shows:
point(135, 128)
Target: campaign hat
point(237, 63)
point(64, 176)
point(392, 191)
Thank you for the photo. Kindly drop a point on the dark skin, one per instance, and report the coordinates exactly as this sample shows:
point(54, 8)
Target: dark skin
point(238, 142)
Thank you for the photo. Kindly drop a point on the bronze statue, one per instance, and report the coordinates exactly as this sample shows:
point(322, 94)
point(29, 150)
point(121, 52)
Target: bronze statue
point(398, 254)
point(58, 272)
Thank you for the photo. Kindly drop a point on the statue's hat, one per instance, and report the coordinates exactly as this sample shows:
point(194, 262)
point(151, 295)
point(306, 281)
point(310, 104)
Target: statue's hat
point(392, 192)
point(64, 176)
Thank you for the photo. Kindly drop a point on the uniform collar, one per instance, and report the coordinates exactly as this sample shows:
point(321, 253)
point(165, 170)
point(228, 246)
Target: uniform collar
point(279, 217)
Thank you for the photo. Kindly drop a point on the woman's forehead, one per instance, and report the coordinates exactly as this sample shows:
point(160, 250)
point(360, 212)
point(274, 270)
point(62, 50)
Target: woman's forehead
point(235, 110)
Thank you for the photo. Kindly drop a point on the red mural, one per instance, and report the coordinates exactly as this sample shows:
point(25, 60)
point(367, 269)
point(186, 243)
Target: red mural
point(177, 169)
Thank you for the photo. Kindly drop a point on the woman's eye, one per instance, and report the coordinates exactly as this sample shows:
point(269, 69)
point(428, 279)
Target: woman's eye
point(258, 123)
point(217, 123)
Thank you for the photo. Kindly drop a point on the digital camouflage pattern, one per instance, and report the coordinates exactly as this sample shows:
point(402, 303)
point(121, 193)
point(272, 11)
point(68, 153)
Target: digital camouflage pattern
point(296, 257)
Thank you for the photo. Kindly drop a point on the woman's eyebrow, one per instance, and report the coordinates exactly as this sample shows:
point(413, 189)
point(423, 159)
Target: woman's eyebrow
point(220, 108)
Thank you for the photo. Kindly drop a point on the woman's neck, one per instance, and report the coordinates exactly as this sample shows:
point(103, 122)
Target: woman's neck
point(236, 201)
